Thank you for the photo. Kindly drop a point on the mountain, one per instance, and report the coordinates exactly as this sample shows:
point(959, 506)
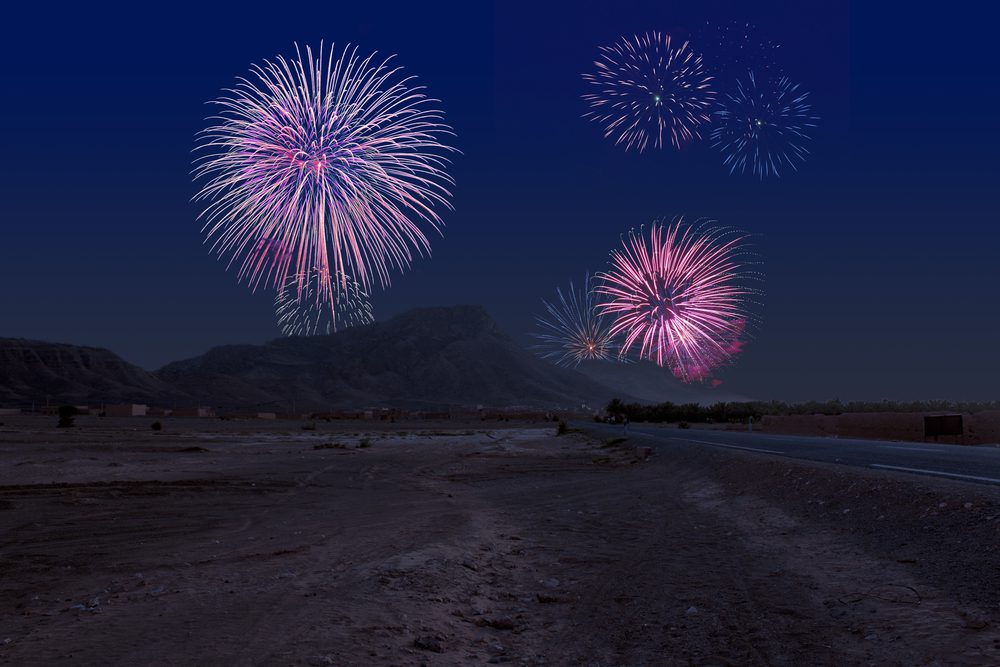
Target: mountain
point(36, 371)
point(425, 358)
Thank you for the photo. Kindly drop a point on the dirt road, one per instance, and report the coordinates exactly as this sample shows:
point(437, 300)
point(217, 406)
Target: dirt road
point(222, 544)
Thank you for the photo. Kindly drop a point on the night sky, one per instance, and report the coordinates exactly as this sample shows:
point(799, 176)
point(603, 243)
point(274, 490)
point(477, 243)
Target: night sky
point(879, 253)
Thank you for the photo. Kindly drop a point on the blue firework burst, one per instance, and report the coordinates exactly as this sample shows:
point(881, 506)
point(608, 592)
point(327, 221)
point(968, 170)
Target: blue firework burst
point(572, 331)
point(763, 126)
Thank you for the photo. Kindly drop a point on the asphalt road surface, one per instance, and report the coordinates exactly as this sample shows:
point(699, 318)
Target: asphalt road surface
point(980, 464)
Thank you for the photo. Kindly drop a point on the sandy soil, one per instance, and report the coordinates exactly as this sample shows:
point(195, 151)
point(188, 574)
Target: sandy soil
point(263, 544)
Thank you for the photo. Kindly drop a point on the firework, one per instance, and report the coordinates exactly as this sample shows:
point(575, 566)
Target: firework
point(311, 304)
point(335, 161)
point(572, 331)
point(734, 47)
point(763, 126)
point(701, 367)
point(683, 295)
point(647, 88)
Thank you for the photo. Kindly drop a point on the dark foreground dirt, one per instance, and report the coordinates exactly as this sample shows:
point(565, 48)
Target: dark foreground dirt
point(222, 544)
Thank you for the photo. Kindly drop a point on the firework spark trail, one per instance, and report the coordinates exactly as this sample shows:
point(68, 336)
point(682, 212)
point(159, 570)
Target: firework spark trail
point(649, 87)
point(303, 307)
point(732, 48)
point(683, 294)
point(763, 126)
point(572, 331)
point(700, 368)
point(337, 161)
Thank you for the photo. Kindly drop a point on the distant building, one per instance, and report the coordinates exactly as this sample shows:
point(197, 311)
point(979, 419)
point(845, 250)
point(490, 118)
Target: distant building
point(267, 415)
point(193, 412)
point(126, 410)
point(339, 414)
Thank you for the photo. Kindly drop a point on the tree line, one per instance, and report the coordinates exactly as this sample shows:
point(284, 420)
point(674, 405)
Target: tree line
point(742, 411)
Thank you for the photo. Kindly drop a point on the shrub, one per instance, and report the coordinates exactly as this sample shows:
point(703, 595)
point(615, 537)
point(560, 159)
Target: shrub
point(330, 445)
point(156, 426)
point(561, 429)
point(66, 414)
point(365, 443)
point(684, 425)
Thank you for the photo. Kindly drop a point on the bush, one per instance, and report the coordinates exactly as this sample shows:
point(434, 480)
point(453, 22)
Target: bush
point(310, 426)
point(561, 429)
point(724, 412)
point(330, 445)
point(365, 443)
point(684, 425)
point(66, 414)
point(156, 426)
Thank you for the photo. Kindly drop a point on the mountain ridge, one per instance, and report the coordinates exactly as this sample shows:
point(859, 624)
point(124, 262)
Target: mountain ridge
point(37, 371)
point(425, 358)
point(438, 356)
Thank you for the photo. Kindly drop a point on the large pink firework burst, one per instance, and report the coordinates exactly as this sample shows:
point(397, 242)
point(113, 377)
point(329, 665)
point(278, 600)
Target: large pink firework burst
point(682, 294)
point(336, 161)
point(648, 88)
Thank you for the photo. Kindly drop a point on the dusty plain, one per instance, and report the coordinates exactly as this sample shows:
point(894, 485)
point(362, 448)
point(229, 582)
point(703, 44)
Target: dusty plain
point(368, 543)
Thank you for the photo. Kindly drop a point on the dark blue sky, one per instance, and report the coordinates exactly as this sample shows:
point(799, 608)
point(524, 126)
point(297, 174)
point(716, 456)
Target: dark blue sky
point(881, 277)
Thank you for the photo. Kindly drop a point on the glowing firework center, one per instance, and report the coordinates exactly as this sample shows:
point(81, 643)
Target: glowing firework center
point(665, 301)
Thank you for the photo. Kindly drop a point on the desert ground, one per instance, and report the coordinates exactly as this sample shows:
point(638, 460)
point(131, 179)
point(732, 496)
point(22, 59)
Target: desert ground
point(368, 543)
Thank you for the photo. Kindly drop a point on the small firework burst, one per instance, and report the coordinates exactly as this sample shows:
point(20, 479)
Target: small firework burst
point(311, 304)
point(648, 88)
point(572, 331)
point(734, 47)
point(325, 162)
point(763, 126)
point(683, 295)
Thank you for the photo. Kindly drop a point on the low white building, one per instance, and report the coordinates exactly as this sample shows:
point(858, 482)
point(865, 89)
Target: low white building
point(126, 410)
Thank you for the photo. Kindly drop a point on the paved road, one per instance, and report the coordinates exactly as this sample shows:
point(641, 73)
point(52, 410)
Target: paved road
point(980, 464)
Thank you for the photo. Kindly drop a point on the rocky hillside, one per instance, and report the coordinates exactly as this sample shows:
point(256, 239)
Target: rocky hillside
point(36, 371)
point(425, 358)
